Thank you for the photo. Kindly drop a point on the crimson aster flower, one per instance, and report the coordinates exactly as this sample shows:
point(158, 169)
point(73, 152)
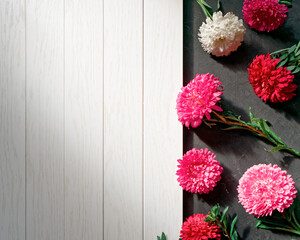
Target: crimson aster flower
point(265, 188)
point(271, 83)
point(264, 15)
point(198, 171)
point(195, 228)
point(198, 99)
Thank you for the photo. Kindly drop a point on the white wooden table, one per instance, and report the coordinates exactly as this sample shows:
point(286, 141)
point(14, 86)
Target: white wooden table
point(89, 137)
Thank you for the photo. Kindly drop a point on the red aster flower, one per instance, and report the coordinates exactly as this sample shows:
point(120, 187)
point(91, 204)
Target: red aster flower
point(264, 15)
point(198, 99)
point(199, 171)
point(194, 228)
point(271, 83)
point(265, 188)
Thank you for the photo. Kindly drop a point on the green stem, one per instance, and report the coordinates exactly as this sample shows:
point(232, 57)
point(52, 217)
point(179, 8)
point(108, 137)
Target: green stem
point(279, 51)
point(223, 228)
point(205, 10)
point(287, 230)
point(243, 125)
point(295, 220)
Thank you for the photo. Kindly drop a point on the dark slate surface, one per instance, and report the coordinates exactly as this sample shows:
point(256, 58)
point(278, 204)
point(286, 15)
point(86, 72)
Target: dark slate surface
point(238, 150)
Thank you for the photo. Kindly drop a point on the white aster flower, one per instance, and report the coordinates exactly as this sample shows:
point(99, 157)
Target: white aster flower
point(221, 35)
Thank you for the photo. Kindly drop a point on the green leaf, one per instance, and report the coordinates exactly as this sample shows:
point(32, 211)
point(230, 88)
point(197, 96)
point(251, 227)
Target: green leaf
point(288, 4)
point(218, 6)
point(232, 225)
point(224, 213)
point(284, 56)
point(296, 70)
point(278, 148)
point(282, 62)
point(298, 47)
point(264, 226)
point(235, 236)
point(292, 48)
point(163, 237)
point(291, 68)
point(205, 4)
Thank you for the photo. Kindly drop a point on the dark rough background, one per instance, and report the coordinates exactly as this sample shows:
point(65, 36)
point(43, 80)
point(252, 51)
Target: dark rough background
point(237, 151)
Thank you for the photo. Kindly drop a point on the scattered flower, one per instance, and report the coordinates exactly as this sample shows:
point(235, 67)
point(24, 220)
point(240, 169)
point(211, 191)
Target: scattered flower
point(266, 188)
point(269, 82)
point(264, 15)
point(196, 228)
point(198, 99)
point(221, 35)
point(198, 171)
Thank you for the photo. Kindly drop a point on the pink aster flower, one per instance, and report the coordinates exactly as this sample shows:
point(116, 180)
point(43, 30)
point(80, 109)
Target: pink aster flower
point(199, 171)
point(194, 228)
point(265, 188)
point(271, 83)
point(198, 99)
point(264, 15)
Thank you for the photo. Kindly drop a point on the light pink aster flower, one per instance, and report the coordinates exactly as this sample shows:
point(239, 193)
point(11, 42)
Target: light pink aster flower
point(199, 171)
point(197, 99)
point(264, 15)
point(265, 188)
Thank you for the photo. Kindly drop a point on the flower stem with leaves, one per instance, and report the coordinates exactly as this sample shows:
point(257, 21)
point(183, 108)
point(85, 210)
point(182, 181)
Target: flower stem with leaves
point(223, 221)
point(288, 221)
point(257, 126)
point(289, 58)
point(207, 9)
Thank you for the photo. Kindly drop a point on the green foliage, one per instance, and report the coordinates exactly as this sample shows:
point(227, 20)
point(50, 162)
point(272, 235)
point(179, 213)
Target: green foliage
point(223, 220)
point(289, 57)
point(287, 221)
point(257, 126)
point(163, 237)
point(288, 3)
point(207, 9)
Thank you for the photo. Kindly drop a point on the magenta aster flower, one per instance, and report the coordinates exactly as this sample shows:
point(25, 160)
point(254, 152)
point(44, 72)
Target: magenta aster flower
point(199, 171)
point(264, 15)
point(194, 228)
point(198, 99)
point(265, 188)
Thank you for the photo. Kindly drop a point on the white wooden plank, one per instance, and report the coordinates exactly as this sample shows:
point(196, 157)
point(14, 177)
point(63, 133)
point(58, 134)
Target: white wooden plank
point(45, 119)
point(163, 133)
point(84, 119)
point(12, 120)
point(123, 81)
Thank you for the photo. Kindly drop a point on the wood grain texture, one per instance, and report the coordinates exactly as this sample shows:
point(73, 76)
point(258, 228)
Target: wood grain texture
point(84, 120)
point(45, 119)
point(123, 81)
point(163, 133)
point(12, 120)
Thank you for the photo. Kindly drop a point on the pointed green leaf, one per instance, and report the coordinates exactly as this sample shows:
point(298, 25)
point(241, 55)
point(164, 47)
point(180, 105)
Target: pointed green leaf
point(292, 48)
point(224, 214)
point(296, 70)
point(291, 68)
point(288, 4)
point(232, 225)
point(235, 236)
point(277, 148)
point(206, 4)
point(284, 56)
point(282, 62)
point(218, 6)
